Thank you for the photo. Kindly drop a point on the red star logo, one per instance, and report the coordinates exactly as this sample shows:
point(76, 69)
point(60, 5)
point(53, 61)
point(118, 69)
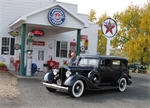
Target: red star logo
point(109, 27)
point(57, 14)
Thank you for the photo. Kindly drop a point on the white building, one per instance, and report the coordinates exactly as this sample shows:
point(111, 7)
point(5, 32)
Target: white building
point(57, 25)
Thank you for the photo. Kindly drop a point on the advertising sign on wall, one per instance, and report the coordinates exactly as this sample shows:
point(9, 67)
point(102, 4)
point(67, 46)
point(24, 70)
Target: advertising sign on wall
point(83, 43)
point(14, 33)
point(56, 16)
point(37, 32)
point(38, 43)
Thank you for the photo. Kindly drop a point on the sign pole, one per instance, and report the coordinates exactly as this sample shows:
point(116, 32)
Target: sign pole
point(108, 47)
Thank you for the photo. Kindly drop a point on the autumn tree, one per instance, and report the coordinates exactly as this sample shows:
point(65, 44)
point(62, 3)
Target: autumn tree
point(101, 46)
point(102, 41)
point(134, 33)
point(92, 16)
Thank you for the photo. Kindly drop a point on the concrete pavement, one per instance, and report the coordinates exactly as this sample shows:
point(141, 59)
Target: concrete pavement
point(34, 95)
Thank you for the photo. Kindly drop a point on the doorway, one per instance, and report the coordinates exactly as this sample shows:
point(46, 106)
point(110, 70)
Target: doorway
point(38, 57)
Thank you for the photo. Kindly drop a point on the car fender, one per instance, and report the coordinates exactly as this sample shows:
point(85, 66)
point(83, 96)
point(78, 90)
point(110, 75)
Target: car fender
point(92, 73)
point(125, 76)
point(48, 77)
point(70, 81)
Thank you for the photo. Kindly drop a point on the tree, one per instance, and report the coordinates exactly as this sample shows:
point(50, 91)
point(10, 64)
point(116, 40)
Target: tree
point(92, 16)
point(102, 41)
point(101, 46)
point(134, 33)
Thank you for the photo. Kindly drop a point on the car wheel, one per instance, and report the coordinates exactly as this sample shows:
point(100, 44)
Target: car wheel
point(122, 84)
point(50, 89)
point(77, 89)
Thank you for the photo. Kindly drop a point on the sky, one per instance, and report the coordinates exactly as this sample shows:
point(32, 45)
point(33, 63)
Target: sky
point(102, 6)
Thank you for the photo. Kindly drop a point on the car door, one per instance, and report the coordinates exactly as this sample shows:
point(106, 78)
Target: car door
point(105, 70)
point(124, 66)
point(116, 68)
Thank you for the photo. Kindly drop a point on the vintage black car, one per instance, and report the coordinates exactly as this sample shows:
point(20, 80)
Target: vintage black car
point(90, 73)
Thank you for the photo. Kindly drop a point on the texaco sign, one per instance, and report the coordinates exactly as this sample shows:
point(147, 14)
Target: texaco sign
point(109, 28)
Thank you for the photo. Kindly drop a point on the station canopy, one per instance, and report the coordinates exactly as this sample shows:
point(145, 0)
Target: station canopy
point(40, 18)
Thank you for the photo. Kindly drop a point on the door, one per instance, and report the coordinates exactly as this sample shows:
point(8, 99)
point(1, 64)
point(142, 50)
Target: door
point(106, 71)
point(38, 57)
point(116, 68)
point(51, 49)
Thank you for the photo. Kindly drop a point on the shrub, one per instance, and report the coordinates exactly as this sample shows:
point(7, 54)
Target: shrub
point(2, 65)
point(148, 69)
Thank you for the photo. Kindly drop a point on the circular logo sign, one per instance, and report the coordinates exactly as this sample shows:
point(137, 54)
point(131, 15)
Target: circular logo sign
point(56, 16)
point(109, 28)
point(82, 48)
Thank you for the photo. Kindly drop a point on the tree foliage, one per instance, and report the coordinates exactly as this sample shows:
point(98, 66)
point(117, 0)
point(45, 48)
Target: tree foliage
point(134, 33)
point(101, 47)
point(133, 36)
point(92, 16)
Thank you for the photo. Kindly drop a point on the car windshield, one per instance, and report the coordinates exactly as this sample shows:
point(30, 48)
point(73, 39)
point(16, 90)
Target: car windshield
point(88, 62)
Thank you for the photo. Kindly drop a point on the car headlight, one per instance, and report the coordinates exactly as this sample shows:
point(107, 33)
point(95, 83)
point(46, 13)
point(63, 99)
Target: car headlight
point(68, 73)
point(55, 71)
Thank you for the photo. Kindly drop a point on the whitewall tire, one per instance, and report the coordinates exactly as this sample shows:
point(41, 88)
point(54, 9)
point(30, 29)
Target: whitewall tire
point(122, 84)
point(77, 89)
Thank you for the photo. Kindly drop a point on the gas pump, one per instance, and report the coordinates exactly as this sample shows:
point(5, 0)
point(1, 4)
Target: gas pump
point(29, 54)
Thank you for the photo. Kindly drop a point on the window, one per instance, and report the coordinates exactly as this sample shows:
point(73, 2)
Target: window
point(40, 55)
point(116, 62)
point(61, 49)
point(87, 62)
point(12, 51)
point(7, 46)
point(106, 62)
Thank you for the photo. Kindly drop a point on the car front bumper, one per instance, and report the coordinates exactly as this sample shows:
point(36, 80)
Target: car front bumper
point(57, 87)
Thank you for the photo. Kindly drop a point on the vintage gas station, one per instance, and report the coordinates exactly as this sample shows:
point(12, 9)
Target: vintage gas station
point(51, 34)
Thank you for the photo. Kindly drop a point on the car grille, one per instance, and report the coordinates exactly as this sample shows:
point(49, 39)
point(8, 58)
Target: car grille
point(62, 75)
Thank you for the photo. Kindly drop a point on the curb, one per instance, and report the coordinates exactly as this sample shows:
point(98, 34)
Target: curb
point(24, 77)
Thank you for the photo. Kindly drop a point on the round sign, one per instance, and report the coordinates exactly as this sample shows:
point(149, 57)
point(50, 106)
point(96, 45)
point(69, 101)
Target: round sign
point(82, 48)
point(56, 16)
point(109, 28)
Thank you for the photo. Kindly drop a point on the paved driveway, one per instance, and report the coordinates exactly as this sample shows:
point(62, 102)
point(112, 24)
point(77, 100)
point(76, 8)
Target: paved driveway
point(34, 95)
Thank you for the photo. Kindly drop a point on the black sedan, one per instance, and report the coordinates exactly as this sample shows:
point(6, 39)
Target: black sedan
point(90, 73)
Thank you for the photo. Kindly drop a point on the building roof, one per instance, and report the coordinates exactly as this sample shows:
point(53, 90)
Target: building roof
point(22, 19)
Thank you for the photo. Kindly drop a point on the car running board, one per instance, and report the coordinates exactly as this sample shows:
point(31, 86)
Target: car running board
point(105, 87)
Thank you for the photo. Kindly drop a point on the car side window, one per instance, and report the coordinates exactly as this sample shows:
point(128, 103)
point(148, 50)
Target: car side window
point(106, 62)
point(116, 63)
